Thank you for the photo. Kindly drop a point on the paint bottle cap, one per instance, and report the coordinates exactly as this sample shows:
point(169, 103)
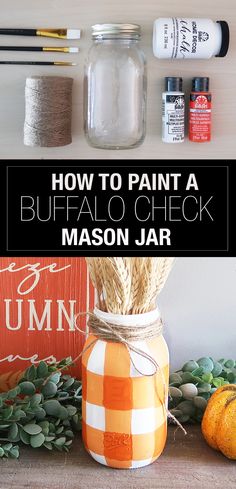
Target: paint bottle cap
point(200, 84)
point(225, 38)
point(173, 84)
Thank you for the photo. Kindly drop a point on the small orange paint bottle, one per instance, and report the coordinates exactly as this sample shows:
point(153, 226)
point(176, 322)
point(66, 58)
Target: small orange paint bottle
point(200, 111)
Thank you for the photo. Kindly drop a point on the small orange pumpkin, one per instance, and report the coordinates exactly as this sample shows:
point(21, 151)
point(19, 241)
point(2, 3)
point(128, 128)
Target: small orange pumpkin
point(219, 421)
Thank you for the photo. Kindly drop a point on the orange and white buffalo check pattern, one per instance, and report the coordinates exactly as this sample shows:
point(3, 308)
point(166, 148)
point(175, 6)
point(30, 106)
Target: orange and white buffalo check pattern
point(124, 421)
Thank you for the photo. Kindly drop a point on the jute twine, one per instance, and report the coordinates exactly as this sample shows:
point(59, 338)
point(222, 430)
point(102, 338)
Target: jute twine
point(48, 111)
point(128, 336)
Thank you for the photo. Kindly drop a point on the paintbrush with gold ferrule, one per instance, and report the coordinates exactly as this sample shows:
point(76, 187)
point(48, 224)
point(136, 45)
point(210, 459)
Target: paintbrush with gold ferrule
point(45, 49)
point(38, 63)
point(55, 33)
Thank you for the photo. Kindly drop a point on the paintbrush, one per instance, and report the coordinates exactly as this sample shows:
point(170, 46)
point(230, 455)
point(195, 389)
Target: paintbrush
point(40, 48)
point(39, 63)
point(58, 33)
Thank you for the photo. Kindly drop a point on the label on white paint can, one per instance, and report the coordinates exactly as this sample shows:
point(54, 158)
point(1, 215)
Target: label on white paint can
point(189, 38)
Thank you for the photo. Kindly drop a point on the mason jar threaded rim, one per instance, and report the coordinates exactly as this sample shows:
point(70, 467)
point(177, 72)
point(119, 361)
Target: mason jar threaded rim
point(124, 30)
point(135, 320)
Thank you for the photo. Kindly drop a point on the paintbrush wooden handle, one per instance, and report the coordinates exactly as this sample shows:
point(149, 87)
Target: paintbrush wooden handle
point(38, 63)
point(18, 32)
point(21, 48)
point(27, 63)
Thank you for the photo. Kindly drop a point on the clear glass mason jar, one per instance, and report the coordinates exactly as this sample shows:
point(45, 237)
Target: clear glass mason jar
point(115, 87)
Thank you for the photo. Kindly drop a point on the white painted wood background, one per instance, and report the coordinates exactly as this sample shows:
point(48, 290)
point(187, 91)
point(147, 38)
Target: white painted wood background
point(82, 14)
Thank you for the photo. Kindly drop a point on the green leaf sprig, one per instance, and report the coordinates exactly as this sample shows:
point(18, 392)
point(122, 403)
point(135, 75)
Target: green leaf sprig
point(43, 410)
point(192, 386)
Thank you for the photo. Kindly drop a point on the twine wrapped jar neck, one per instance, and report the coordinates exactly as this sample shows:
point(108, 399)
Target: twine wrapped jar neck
point(130, 327)
point(125, 329)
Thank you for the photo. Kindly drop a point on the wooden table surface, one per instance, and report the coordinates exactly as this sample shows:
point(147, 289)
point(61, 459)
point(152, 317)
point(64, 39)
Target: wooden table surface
point(84, 13)
point(186, 462)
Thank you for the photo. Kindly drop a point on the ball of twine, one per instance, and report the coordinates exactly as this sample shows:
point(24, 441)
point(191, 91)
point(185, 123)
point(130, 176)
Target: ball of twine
point(48, 111)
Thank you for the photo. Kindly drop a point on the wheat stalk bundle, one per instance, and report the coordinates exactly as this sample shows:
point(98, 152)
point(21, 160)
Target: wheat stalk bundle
point(128, 285)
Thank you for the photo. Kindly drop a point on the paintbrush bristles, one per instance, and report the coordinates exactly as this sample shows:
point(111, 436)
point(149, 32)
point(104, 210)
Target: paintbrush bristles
point(128, 285)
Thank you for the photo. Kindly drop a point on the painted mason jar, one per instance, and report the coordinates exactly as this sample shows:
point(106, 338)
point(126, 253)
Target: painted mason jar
point(123, 411)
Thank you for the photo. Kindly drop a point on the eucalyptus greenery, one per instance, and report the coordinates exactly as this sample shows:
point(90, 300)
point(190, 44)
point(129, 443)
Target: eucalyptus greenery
point(192, 386)
point(43, 410)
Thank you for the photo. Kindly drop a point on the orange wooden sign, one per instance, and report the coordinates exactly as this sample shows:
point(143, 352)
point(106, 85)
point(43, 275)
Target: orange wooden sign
point(39, 298)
